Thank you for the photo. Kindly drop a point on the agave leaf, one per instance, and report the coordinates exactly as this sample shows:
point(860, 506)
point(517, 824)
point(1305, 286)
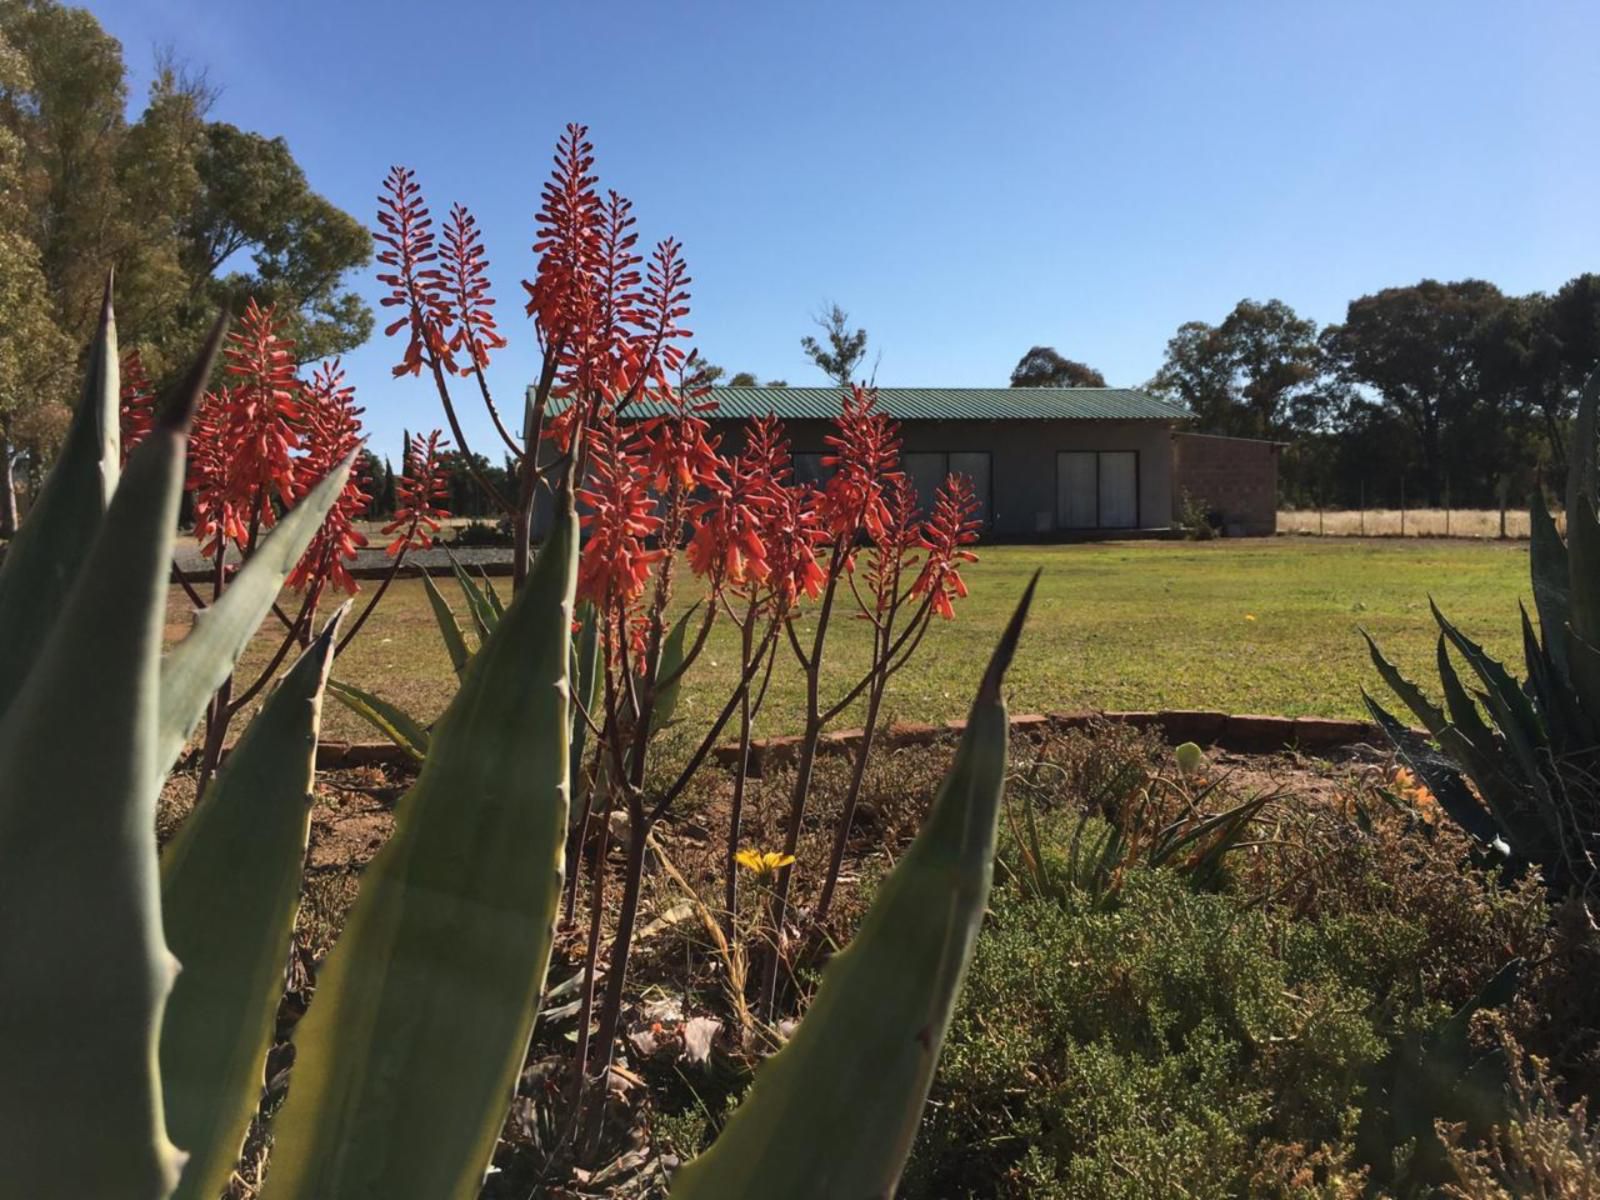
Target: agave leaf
point(1430, 714)
point(454, 641)
point(834, 1112)
point(1583, 532)
point(84, 971)
point(586, 690)
point(1439, 775)
point(1553, 694)
point(44, 557)
point(230, 887)
point(1547, 556)
point(411, 1050)
point(1464, 714)
point(388, 719)
point(1581, 474)
point(671, 669)
point(482, 612)
point(490, 594)
point(1519, 722)
point(196, 666)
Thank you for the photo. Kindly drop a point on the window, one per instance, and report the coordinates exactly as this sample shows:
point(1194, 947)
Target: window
point(1097, 489)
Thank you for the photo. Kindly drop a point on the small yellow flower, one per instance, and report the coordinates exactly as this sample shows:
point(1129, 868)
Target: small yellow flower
point(763, 864)
point(1249, 616)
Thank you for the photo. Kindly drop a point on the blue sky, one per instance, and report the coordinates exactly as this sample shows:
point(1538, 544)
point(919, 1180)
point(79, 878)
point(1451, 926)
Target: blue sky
point(967, 179)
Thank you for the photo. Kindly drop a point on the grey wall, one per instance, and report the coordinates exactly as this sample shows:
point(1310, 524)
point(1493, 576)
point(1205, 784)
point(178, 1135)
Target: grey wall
point(1023, 462)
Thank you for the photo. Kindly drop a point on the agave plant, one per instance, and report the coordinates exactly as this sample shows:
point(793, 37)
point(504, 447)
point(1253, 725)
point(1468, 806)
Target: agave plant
point(140, 990)
point(1531, 750)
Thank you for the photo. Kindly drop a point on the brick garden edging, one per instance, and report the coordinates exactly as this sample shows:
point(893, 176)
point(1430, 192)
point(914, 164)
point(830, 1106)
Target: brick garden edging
point(1247, 733)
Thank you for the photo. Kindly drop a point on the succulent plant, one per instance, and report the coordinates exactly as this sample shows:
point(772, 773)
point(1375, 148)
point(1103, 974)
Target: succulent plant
point(1531, 749)
point(139, 992)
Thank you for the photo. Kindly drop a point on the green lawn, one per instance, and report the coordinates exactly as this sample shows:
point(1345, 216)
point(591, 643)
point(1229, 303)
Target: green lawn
point(1247, 626)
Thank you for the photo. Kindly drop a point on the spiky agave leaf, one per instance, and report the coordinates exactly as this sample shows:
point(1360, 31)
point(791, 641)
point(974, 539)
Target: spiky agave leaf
point(835, 1111)
point(43, 559)
point(411, 1050)
point(230, 887)
point(84, 970)
point(399, 726)
point(196, 666)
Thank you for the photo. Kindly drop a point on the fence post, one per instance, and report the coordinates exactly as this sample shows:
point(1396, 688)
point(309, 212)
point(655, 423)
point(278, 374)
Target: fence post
point(1402, 505)
point(1363, 508)
point(1447, 506)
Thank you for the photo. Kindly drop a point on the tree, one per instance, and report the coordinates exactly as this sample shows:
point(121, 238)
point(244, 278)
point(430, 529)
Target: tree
point(743, 379)
point(253, 201)
point(193, 214)
point(1552, 345)
point(1042, 366)
point(1258, 374)
point(1430, 354)
point(776, 383)
point(35, 356)
point(844, 351)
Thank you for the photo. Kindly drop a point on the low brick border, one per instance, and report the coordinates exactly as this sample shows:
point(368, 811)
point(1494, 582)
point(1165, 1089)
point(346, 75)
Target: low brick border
point(1247, 733)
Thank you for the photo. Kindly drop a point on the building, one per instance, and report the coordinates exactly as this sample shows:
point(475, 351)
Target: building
point(1047, 463)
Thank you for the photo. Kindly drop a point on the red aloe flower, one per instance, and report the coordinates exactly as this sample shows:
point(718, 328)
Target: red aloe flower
point(466, 266)
point(420, 493)
point(221, 508)
point(415, 287)
point(726, 546)
point(619, 519)
point(600, 360)
point(264, 408)
point(138, 412)
point(246, 435)
point(790, 529)
point(569, 224)
point(955, 523)
point(663, 303)
point(865, 457)
point(332, 424)
point(893, 553)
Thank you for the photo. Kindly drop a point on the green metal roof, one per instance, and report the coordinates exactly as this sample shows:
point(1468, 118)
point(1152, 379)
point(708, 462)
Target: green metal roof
point(943, 404)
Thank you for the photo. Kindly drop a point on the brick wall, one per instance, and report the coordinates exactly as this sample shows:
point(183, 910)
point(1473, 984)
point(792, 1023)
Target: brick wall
point(1238, 476)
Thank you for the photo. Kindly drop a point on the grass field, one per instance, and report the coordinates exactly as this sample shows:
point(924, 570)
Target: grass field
point(1264, 626)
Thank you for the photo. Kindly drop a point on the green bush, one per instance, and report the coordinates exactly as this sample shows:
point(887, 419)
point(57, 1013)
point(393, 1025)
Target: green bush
point(1201, 1043)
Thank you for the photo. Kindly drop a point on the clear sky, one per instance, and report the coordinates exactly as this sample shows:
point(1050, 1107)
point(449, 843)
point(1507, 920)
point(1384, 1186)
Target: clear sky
point(967, 179)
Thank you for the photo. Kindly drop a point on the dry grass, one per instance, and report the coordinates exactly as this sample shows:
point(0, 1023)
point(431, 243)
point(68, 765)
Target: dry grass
point(1416, 522)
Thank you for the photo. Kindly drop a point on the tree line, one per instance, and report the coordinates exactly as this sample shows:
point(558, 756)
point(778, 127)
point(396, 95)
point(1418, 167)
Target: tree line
point(1434, 393)
point(193, 214)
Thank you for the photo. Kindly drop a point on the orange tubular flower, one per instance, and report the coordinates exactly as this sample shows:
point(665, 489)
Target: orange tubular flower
point(619, 518)
point(466, 267)
point(865, 457)
point(246, 435)
point(570, 219)
point(894, 552)
point(727, 548)
point(420, 492)
point(955, 523)
point(138, 403)
point(417, 288)
point(789, 529)
point(332, 431)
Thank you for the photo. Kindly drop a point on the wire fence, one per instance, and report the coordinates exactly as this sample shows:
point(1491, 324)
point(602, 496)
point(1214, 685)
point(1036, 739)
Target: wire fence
point(1413, 522)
